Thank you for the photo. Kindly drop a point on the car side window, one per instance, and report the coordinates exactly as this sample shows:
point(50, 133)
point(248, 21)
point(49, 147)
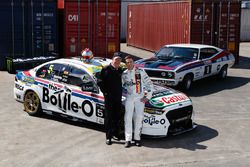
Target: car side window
point(81, 78)
point(51, 72)
point(207, 53)
point(62, 75)
point(41, 72)
point(75, 76)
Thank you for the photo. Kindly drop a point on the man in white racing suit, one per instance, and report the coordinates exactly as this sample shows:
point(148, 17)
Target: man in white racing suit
point(137, 88)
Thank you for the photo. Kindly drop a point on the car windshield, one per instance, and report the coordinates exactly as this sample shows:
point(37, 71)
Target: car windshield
point(177, 53)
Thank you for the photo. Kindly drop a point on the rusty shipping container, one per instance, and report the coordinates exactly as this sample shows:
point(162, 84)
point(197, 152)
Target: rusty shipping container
point(214, 22)
point(92, 24)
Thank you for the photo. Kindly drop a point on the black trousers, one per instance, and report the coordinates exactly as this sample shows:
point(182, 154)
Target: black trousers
point(112, 117)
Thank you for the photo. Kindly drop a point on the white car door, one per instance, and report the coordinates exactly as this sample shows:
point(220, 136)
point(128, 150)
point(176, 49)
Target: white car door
point(209, 67)
point(51, 87)
point(84, 97)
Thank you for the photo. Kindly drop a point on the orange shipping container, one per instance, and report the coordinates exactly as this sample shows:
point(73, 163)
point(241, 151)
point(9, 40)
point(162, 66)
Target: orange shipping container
point(214, 22)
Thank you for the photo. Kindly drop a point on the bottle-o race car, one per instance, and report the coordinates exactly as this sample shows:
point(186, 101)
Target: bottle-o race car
point(68, 88)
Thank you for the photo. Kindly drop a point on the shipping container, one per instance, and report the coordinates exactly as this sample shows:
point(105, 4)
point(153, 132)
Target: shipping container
point(29, 29)
point(92, 24)
point(245, 25)
point(124, 8)
point(152, 25)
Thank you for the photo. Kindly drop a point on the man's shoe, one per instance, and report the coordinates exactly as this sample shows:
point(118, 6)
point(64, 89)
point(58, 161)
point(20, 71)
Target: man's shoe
point(127, 144)
point(108, 142)
point(138, 143)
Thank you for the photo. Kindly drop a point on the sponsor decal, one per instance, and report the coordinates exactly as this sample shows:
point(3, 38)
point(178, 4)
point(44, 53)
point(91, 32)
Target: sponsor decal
point(18, 96)
point(161, 82)
point(167, 100)
point(57, 78)
point(87, 87)
point(28, 80)
point(153, 111)
point(64, 102)
point(174, 99)
point(53, 87)
point(151, 120)
point(129, 83)
point(156, 102)
point(19, 87)
point(182, 119)
point(100, 120)
point(138, 83)
point(159, 94)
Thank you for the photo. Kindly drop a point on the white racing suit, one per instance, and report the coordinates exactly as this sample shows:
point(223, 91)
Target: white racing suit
point(136, 85)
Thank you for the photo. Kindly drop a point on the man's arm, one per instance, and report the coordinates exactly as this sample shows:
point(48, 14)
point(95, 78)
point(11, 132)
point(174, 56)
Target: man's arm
point(148, 84)
point(101, 83)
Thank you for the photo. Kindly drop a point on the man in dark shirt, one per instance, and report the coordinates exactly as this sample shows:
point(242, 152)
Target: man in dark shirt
point(111, 86)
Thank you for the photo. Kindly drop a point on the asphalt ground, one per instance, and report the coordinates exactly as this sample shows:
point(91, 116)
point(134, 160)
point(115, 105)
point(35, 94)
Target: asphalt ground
point(222, 110)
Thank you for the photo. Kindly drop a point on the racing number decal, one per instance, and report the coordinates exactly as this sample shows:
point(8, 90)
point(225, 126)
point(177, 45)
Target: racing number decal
point(208, 69)
point(100, 110)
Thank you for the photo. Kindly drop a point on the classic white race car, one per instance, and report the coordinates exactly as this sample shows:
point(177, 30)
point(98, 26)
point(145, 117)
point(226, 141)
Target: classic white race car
point(184, 63)
point(68, 88)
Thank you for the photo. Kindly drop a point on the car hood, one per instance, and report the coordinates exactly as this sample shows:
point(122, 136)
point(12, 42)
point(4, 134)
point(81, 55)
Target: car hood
point(167, 64)
point(164, 97)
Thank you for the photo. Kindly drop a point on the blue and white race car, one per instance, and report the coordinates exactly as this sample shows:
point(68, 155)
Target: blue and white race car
point(181, 64)
point(68, 88)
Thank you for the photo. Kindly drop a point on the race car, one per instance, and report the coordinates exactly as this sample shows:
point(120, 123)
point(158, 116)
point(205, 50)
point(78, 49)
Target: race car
point(181, 64)
point(68, 88)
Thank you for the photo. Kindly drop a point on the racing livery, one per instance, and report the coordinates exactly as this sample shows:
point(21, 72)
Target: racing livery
point(184, 63)
point(68, 88)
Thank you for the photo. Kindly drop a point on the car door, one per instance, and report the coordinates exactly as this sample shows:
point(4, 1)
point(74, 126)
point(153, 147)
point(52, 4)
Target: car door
point(51, 86)
point(209, 67)
point(85, 96)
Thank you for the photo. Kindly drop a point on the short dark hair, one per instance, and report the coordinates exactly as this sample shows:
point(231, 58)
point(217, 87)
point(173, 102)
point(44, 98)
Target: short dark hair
point(128, 57)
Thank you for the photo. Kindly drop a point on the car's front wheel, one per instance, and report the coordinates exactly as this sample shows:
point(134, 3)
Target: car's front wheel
point(32, 104)
point(223, 73)
point(187, 82)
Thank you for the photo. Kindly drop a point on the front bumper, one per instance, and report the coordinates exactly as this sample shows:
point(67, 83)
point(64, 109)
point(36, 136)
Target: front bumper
point(173, 122)
point(18, 91)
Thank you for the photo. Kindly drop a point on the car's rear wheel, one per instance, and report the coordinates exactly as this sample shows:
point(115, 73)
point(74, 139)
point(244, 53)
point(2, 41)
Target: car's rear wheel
point(187, 82)
point(32, 104)
point(223, 73)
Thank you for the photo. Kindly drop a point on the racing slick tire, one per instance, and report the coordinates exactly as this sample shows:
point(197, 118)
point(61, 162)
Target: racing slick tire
point(223, 73)
point(32, 104)
point(186, 82)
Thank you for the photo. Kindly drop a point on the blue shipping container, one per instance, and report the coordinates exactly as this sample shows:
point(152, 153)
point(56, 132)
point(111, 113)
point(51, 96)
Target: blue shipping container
point(28, 30)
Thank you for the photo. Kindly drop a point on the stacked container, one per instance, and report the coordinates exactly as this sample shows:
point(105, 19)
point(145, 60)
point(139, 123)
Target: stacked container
point(28, 30)
point(93, 24)
point(214, 22)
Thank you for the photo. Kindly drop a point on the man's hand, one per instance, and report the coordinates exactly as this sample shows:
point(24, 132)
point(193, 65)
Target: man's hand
point(144, 99)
